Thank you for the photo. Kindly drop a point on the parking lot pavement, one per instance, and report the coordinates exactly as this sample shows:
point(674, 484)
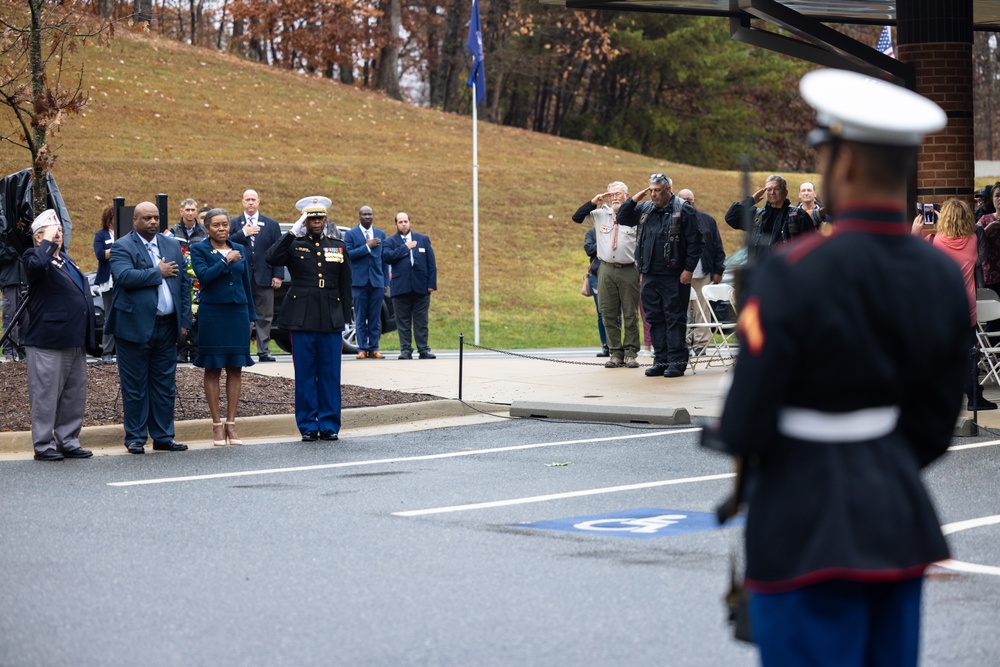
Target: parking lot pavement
point(506, 542)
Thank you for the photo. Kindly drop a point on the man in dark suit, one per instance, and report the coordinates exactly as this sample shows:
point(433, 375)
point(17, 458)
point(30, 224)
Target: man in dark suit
point(257, 233)
point(413, 277)
point(58, 333)
point(150, 312)
point(364, 246)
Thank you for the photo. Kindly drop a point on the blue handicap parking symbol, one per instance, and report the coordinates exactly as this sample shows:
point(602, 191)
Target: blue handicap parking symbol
point(638, 523)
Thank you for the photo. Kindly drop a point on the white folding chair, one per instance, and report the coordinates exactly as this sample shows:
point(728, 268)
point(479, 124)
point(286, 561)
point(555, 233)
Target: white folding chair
point(988, 311)
point(696, 356)
point(725, 348)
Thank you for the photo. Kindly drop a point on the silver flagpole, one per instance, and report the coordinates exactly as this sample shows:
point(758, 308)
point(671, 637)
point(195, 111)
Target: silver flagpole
point(475, 217)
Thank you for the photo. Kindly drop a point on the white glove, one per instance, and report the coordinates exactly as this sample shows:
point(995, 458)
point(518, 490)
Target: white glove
point(299, 228)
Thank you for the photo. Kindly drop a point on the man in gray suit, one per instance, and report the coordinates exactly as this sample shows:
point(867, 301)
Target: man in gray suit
point(150, 312)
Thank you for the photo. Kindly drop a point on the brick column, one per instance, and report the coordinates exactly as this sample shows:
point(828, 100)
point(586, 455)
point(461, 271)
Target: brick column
point(935, 38)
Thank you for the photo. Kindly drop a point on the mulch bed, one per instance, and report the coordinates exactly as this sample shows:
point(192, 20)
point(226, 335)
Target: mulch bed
point(261, 395)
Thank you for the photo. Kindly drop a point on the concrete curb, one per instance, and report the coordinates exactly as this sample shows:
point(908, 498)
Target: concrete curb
point(631, 414)
point(267, 426)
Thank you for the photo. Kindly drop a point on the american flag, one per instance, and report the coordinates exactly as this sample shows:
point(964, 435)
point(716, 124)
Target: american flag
point(885, 42)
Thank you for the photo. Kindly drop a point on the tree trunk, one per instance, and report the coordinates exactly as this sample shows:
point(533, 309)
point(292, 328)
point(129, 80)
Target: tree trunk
point(387, 72)
point(105, 8)
point(143, 11)
point(39, 149)
point(449, 56)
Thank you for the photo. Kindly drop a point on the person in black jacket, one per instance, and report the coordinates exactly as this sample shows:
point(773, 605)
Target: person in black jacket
point(777, 222)
point(667, 252)
point(833, 423)
point(59, 331)
point(709, 269)
point(314, 312)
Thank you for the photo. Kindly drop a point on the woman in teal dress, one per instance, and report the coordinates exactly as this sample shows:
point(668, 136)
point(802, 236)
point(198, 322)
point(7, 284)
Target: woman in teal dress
point(225, 311)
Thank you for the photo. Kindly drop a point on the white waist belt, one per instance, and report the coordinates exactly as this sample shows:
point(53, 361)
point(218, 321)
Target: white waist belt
point(856, 426)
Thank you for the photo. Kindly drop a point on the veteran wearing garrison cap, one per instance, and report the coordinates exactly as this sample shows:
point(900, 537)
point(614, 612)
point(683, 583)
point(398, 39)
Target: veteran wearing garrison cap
point(314, 312)
point(836, 404)
point(58, 333)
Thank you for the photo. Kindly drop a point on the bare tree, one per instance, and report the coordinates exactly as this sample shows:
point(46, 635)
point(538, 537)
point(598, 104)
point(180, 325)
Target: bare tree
point(32, 69)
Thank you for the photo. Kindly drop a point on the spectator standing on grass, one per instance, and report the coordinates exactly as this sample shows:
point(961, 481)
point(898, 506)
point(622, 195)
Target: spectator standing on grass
point(314, 312)
point(413, 278)
point(225, 314)
point(257, 233)
point(150, 312)
point(667, 252)
point(364, 246)
point(617, 277)
point(104, 238)
point(58, 333)
point(590, 247)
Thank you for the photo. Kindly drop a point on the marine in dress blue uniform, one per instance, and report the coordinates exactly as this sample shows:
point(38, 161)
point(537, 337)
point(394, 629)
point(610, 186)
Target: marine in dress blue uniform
point(314, 312)
point(837, 404)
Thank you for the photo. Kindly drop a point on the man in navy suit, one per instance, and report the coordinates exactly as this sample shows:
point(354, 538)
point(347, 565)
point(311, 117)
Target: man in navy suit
point(58, 332)
point(364, 247)
point(257, 233)
point(150, 312)
point(413, 277)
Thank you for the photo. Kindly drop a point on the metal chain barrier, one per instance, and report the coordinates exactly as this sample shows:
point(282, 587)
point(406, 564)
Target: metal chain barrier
point(537, 358)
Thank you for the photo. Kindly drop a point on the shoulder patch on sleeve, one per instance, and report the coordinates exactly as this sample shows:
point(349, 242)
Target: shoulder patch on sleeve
point(751, 327)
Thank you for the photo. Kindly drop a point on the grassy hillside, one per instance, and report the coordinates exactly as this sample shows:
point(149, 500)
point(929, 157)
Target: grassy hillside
point(185, 121)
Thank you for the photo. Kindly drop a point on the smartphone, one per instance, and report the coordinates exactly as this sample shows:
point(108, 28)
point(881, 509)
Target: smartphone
point(930, 216)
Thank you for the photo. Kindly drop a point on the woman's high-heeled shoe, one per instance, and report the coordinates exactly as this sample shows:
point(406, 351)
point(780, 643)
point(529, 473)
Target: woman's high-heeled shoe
point(218, 435)
point(231, 434)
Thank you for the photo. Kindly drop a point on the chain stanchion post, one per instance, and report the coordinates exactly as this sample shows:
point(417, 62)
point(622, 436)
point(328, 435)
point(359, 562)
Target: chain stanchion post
point(461, 350)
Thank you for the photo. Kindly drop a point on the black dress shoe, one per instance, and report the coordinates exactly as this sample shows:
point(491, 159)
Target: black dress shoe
point(49, 455)
point(135, 448)
point(656, 370)
point(405, 355)
point(267, 356)
point(428, 355)
point(310, 436)
point(605, 352)
point(673, 372)
point(169, 446)
point(328, 434)
point(78, 453)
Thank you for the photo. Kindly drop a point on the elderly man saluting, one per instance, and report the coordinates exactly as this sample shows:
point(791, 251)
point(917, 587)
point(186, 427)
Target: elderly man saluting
point(59, 331)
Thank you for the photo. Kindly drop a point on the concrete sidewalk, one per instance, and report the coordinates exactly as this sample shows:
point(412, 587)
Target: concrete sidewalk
point(489, 381)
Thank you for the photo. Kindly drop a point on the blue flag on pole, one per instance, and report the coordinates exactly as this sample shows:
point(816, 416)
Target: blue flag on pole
point(475, 46)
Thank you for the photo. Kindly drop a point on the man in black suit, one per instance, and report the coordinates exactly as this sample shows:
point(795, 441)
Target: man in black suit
point(257, 233)
point(150, 312)
point(58, 333)
point(414, 276)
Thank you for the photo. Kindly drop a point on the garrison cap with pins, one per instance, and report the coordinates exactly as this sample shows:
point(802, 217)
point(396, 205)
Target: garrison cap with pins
point(854, 107)
point(314, 207)
point(46, 218)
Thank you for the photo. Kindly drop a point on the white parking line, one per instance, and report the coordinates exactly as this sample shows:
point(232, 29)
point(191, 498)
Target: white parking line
point(991, 443)
point(401, 459)
point(560, 496)
point(962, 566)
